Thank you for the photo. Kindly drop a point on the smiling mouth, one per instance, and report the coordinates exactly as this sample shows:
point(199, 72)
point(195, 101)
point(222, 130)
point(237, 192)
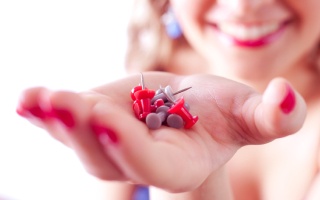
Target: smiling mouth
point(252, 35)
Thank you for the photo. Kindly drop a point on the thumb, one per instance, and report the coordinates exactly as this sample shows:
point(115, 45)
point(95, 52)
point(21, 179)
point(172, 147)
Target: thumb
point(281, 112)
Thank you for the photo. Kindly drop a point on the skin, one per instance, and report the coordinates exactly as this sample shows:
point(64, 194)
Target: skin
point(232, 115)
point(257, 67)
point(153, 157)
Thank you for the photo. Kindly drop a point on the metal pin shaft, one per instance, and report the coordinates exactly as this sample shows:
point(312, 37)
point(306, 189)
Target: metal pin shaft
point(142, 81)
point(185, 89)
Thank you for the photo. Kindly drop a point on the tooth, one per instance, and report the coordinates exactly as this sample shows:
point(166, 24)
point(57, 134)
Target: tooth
point(247, 33)
point(240, 33)
point(255, 33)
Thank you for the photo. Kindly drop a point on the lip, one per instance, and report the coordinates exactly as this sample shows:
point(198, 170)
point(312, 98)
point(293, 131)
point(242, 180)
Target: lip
point(259, 42)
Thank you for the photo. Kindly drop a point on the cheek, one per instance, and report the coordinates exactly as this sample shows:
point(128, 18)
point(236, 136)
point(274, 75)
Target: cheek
point(190, 10)
point(308, 14)
point(312, 15)
point(184, 9)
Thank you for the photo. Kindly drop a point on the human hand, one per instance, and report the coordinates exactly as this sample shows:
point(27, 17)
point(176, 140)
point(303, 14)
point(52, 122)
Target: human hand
point(113, 144)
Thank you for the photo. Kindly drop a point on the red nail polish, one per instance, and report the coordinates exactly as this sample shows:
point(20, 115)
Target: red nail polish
point(289, 101)
point(34, 111)
point(64, 116)
point(99, 130)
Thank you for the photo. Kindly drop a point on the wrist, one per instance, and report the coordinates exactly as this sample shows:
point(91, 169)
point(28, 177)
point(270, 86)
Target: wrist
point(216, 186)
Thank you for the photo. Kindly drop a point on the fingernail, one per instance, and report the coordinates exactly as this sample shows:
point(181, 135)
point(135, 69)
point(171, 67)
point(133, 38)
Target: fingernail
point(64, 116)
point(34, 111)
point(101, 131)
point(22, 111)
point(289, 101)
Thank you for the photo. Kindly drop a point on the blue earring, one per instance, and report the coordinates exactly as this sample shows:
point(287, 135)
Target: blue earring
point(171, 24)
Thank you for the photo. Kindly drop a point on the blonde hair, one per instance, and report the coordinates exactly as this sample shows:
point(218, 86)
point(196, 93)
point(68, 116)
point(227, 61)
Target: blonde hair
point(149, 47)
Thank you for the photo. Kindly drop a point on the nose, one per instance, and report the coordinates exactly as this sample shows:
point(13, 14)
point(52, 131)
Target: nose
point(244, 6)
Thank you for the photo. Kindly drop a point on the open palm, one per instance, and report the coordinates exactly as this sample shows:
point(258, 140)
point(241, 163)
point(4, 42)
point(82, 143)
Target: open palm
point(113, 144)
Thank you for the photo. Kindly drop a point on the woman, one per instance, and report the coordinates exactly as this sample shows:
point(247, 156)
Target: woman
point(251, 44)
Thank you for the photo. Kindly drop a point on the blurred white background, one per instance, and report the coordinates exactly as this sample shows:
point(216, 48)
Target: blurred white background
point(61, 44)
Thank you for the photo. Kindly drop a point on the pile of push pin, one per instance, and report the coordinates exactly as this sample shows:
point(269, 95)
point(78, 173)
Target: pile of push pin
point(159, 107)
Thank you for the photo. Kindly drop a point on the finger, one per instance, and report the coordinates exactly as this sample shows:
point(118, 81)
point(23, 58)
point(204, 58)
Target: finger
point(281, 112)
point(73, 114)
point(28, 105)
point(31, 107)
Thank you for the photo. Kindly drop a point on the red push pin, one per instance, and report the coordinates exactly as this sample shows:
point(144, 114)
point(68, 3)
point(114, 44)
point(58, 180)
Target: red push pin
point(142, 100)
point(180, 109)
